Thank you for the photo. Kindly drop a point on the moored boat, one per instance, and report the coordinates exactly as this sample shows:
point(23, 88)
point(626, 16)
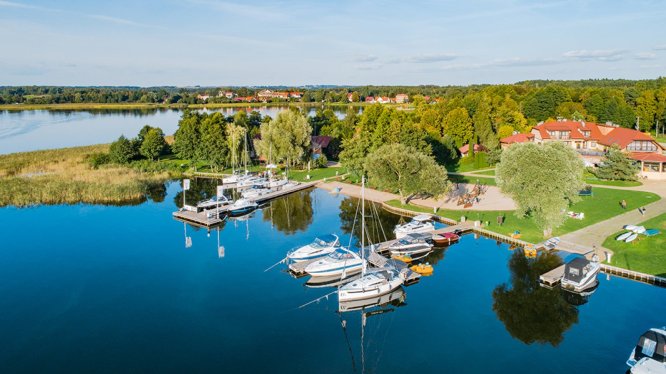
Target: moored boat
point(340, 262)
point(412, 245)
point(580, 273)
point(373, 283)
point(419, 224)
point(649, 355)
point(320, 247)
point(241, 207)
point(213, 202)
point(445, 238)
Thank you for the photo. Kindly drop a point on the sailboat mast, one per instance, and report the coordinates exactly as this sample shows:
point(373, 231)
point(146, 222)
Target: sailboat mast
point(363, 222)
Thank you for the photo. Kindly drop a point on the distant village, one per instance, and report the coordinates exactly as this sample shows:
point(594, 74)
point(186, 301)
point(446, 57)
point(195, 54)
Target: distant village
point(265, 96)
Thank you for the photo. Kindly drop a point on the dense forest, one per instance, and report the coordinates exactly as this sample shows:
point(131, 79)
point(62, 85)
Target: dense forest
point(515, 105)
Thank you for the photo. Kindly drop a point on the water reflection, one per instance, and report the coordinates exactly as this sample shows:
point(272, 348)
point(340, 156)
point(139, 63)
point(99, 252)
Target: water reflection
point(379, 223)
point(291, 213)
point(200, 189)
point(531, 313)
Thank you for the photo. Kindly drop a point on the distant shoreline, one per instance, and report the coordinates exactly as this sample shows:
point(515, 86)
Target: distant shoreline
point(125, 106)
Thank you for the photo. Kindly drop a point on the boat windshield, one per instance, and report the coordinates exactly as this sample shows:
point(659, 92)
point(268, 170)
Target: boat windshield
point(341, 254)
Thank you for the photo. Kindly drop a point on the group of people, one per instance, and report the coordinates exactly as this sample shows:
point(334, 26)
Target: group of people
point(641, 210)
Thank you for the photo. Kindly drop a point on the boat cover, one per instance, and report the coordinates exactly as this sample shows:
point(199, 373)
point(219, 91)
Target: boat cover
point(651, 344)
point(422, 217)
point(573, 270)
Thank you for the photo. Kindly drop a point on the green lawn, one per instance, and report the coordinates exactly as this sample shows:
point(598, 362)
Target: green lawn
point(316, 174)
point(465, 167)
point(645, 254)
point(591, 179)
point(486, 172)
point(602, 206)
point(457, 178)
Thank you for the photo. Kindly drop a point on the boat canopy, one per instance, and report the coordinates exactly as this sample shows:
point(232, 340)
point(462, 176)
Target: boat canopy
point(652, 344)
point(326, 239)
point(422, 217)
point(418, 237)
point(576, 269)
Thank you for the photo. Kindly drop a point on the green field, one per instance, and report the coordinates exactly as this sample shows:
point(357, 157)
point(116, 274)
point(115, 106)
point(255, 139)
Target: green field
point(602, 206)
point(645, 254)
point(457, 178)
point(486, 172)
point(316, 174)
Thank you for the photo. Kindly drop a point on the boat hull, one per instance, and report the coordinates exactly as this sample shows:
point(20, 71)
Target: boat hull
point(360, 293)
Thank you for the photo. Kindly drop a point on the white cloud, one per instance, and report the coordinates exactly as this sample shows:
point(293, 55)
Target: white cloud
point(365, 58)
point(430, 58)
point(597, 54)
point(645, 56)
point(661, 47)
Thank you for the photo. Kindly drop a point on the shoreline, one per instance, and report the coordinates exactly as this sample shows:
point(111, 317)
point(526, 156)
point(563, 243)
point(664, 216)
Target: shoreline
point(151, 106)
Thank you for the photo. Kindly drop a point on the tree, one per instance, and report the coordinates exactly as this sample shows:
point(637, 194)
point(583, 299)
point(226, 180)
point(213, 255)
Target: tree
point(153, 144)
point(406, 170)
point(543, 179)
point(354, 151)
point(459, 126)
point(122, 151)
point(187, 138)
point(616, 166)
point(483, 126)
point(286, 138)
point(213, 146)
point(543, 104)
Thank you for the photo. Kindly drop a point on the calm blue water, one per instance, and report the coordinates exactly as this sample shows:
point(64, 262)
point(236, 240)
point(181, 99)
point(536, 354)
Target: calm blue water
point(31, 130)
point(114, 289)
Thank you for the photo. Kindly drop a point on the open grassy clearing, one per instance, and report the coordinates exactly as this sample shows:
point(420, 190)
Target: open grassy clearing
point(603, 205)
point(646, 254)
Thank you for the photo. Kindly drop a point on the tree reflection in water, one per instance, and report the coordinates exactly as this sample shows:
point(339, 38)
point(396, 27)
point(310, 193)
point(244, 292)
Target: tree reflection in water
point(200, 189)
point(530, 312)
point(291, 213)
point(379, 224)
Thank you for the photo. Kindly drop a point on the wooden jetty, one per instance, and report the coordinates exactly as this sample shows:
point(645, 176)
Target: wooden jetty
point(553, 277)
point(634, 275)
point(212, 217)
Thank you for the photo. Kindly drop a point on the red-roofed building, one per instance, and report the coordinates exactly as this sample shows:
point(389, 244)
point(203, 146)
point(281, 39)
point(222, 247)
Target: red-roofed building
point(318, 143)
point(591, 140)
point(401, 98)
point(464, 150)
point(370, 99)
point(383, 99)
point(516, 138)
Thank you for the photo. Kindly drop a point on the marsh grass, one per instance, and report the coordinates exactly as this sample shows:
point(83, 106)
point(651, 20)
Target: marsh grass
point(65, 176)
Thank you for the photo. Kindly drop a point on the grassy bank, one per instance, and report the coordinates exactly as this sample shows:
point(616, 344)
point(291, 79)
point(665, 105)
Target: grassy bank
point(64, 176)
point(602, 206)
point(645, 254)
point(471, 179)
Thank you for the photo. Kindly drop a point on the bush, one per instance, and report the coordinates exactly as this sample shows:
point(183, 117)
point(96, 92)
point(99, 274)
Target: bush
point(321, 162)
point(98, 159)
point(123, 151)
point(494, 156)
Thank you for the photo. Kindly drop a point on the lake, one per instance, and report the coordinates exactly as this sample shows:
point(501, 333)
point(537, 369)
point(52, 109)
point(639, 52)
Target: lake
point(30, 130)
point(87, 288)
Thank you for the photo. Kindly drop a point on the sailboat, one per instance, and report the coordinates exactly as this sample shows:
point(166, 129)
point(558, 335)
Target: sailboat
point(375, 282)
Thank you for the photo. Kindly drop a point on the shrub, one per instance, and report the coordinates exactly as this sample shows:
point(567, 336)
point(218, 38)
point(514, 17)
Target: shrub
point(321, 161)
point(98, 159)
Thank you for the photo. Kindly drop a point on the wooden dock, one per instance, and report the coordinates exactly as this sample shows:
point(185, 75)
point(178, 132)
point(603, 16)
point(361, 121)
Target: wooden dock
point(553, 277)
point(634, 275)
point(212, 217)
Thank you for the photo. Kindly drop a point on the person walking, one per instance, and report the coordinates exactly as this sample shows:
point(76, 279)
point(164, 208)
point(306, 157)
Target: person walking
point(623, 204)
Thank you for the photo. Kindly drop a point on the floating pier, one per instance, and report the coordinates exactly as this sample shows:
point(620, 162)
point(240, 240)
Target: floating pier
point(634, 275)
point(553, 277)
point(212, 217)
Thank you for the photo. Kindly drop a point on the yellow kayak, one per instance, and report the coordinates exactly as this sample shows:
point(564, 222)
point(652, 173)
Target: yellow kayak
point(423, 269)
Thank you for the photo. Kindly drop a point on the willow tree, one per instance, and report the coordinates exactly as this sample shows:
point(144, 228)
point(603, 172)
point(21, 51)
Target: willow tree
point(404, 169)
point(543, 180)
point(285, 138)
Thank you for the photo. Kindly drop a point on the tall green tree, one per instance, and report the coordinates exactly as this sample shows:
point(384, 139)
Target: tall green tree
point(286, 138)
point(122, 151)
point(153, 144)
point(406, 170)
point(459, 126)
point(483, 125)
point(543, 180)
point(187, 138)
point(616, 166)
point(543, 103)
point(213, 145)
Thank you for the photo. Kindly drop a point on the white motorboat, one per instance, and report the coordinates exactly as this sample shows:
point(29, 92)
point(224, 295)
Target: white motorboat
point(255, 192)
point(241, 207)
point(320, 247)
point(250, 181)
point(419, 224)
point(649, 355)
point(397, 297)
point(580, 273)
point(274, 183)
point(213, 202)
point(413, 245)
point(375, 282)
point(340, 262)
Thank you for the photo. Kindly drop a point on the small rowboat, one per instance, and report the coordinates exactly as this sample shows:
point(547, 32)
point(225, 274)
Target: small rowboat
point(404, 258)
point(623, 236)
point(651, 232)
point(631, 238)
point(445, 238)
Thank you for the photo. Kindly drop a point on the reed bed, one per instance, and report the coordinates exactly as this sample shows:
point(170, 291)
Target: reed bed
point(64, 176)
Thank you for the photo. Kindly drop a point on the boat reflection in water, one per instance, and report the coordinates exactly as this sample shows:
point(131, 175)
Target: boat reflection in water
point(578, 298)
point(396, 298)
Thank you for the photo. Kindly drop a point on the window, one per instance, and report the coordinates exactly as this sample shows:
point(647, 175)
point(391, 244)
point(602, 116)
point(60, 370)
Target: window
point(642, 146)
point(586, 133)
point(564, 135)
point(649, 346)
point(651, 166)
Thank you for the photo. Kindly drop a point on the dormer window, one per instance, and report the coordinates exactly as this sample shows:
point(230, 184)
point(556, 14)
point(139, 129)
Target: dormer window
point(586, 133)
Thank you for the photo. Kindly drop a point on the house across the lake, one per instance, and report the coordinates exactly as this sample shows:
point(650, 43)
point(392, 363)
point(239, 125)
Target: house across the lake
point(591, 140)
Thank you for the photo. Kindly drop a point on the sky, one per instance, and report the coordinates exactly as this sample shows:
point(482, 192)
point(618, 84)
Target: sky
point(341, 42)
